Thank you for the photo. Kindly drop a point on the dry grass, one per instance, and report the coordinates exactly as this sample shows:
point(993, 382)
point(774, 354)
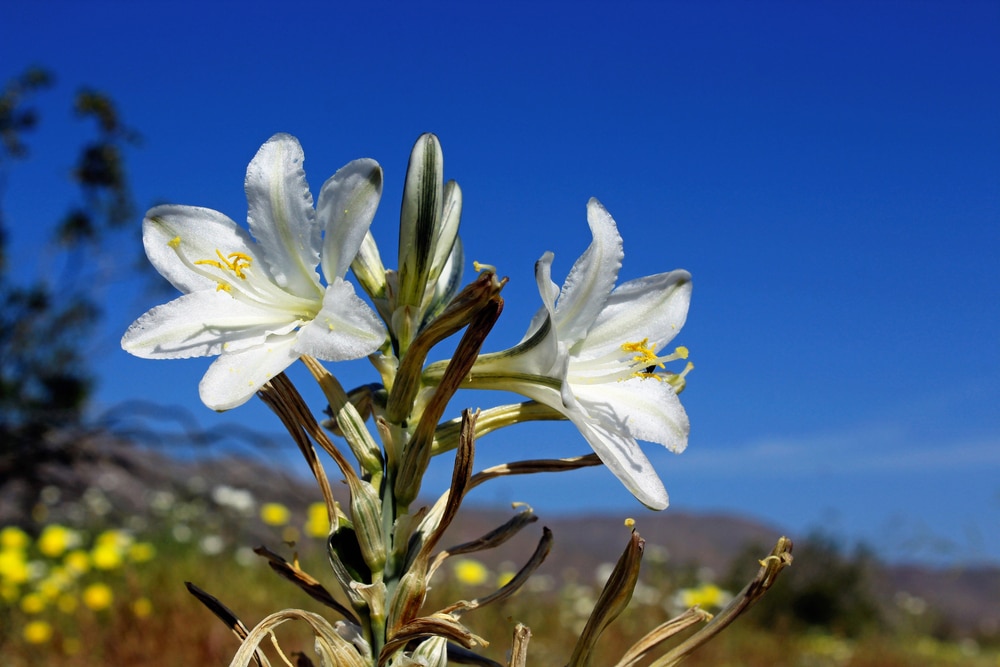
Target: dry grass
point(179, 631)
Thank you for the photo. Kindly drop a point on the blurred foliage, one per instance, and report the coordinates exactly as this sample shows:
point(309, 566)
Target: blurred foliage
point(145, 609)
point(45, 321)
point(825, 589)
point(15, 118)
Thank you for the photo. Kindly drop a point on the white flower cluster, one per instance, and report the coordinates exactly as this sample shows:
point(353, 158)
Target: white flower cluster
point(594, 353)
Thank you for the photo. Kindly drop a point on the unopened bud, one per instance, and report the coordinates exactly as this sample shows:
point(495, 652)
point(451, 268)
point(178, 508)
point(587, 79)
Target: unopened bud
point(420, 218)
point(408, 598)
point(366, 514)
point(369, 270)
point(428, 239)
point(444, 288)
point(335, 650)
point(432, 653)
point(614, 598)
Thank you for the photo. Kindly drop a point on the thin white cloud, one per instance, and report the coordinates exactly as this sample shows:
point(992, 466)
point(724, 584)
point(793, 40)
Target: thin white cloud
point(875, 450)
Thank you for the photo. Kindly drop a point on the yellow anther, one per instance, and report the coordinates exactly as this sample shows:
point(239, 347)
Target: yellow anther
point(630, 522)
point(636, 347)
point(483, 267)
point(240, 261)
point(648, 362)
point(174, 242)
point(234, 261)
point(223, 287)
point(646, 353)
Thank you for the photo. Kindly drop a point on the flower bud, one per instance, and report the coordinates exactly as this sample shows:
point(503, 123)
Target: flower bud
point(408, 598)
point(431, 653)
point(369, 270)
point(614, 598)
point(428, 230)
point(366, 514)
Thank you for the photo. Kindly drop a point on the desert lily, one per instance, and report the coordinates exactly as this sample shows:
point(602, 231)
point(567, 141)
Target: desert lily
point(592, 353)
point(260, 305)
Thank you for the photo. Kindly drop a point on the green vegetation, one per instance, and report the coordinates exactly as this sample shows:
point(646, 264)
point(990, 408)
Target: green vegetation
point(76, 595)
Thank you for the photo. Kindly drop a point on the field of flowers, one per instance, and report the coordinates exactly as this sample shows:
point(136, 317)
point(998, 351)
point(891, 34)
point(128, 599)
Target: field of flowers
point(91, 593)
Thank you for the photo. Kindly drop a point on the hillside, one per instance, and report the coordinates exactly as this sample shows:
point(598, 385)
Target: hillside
point(130, 480)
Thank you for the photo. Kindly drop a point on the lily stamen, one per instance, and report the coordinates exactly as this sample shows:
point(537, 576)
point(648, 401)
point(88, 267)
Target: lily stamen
point(234, 261)
point(250, 290)
point(646, 361)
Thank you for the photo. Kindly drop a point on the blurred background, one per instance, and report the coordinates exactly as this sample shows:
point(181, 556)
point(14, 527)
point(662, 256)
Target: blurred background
point(828, 172)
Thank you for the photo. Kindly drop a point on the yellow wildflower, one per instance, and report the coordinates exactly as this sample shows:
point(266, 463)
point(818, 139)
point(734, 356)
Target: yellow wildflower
point(97, 596)
point(106, 556)
point(13, 567)
point(705, 596)
point(37, 632)
point(13, 538)
point(56, 539)
point(112, 537)
point(317, 521)
point(471, 572)
point(274, 514)
point(33, 603)
point(77, 561)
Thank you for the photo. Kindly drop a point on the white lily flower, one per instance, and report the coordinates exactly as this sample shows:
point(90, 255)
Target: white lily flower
point(592, 354)
point(259, 304)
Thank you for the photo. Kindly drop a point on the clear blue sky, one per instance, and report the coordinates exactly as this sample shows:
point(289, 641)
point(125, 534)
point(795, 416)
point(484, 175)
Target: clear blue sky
point(829, 172)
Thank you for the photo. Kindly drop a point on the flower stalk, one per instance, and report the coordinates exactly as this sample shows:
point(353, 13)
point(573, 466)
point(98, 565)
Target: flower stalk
point(596, 354)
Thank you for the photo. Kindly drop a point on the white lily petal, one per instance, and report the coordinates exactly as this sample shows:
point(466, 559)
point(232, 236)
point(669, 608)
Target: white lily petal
point(537, 320)
point(172, 232)
point(346, 206)
point(592, 277)
point(345, 327)
point(200, 324)
point(539, 355)
point(250, 301)
point(588, 355)
point(547, 289)
point(654, 308)
point(233, 379)
point(647, 408)
point(623, 457)
point(281, 215)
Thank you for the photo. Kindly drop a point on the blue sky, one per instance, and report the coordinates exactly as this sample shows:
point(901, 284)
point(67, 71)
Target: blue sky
point(828, 172)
